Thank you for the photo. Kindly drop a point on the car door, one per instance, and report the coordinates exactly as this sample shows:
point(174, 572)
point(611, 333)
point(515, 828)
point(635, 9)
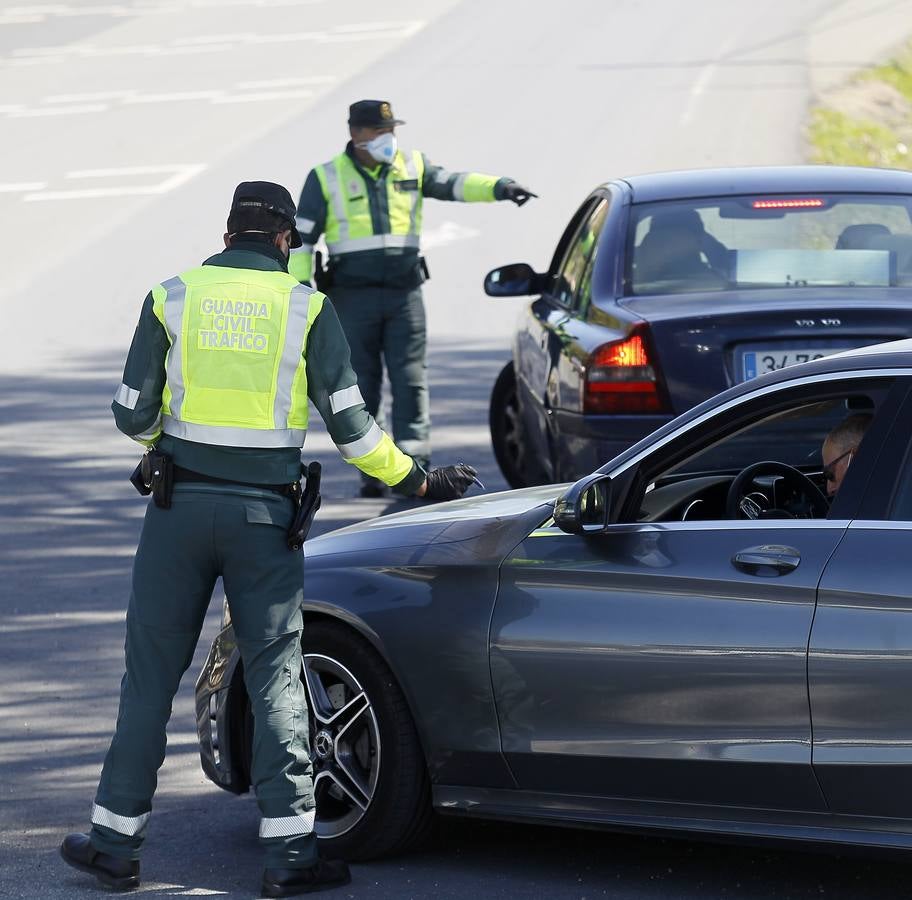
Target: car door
point(860, 660)
point(665, 660)
point(544, 332)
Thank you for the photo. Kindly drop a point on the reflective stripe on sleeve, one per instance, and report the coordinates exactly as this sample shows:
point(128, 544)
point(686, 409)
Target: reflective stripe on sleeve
point(126, 396)
point(363, 445)
point(374, 242)
point(345, 399)
point(174, 322)
point(226, 436)
point(336, 198)
point(303, 224)
point(150, 433)
point(459, 187)
point(128, 825)
point(288, 826)
point(292, 353)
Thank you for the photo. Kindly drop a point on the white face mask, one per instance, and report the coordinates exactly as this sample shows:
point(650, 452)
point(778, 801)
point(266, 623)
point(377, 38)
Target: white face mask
point(382, 148)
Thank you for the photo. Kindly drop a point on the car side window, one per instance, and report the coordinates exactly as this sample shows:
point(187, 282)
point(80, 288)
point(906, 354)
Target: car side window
point(901, 510)
point(811, 438)
point(572, 267)
point(584, 293)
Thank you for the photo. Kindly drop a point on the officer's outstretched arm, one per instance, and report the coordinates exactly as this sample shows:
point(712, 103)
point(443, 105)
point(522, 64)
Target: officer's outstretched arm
point(137, 402)
point(467, 187)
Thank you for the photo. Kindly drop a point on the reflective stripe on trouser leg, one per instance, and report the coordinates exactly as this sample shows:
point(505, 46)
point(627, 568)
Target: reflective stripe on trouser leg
point(405, 352)
point(173, 577)
point(288, 826)
point(126, 825)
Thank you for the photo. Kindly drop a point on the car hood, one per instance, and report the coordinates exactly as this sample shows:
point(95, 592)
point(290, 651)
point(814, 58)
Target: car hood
point(440, 523)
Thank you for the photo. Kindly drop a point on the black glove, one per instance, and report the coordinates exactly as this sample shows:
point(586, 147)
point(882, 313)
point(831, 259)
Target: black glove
point(449, 482)
point(517, 193)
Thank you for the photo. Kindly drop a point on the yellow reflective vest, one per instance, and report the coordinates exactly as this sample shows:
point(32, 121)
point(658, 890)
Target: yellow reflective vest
point(256, 395)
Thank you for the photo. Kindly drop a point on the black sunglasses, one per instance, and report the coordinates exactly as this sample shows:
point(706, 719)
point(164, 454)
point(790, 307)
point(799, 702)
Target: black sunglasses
point(828, 472)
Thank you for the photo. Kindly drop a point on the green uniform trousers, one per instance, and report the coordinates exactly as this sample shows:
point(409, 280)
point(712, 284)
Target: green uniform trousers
point(237, 533)
point(387, 325)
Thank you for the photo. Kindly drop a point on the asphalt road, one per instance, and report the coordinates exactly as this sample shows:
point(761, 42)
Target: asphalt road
point(125, 127)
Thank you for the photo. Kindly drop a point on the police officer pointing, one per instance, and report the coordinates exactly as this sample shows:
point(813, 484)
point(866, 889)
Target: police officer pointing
point(367, 202)
point(223, 363)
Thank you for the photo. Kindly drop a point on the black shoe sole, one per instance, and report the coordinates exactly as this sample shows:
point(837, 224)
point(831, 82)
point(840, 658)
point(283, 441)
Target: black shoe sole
point(122, 883)
point(271, 889)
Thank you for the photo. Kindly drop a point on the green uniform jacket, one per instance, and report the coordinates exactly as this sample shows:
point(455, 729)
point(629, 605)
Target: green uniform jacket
point(390, 267)
point(328, 371)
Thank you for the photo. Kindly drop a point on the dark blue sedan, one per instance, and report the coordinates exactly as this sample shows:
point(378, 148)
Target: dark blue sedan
point(666, 289)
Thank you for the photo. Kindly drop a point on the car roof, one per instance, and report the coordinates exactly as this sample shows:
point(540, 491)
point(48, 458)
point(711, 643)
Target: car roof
point(767, 180)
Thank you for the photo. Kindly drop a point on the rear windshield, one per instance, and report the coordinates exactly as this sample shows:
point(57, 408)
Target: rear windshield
point(765, 241)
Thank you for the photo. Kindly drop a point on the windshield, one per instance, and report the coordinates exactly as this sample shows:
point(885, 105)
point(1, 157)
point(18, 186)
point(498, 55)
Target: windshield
point(766, 241)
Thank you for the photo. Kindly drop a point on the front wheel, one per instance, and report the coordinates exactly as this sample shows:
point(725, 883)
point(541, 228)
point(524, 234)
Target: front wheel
point(508, 437)
point(371, 784)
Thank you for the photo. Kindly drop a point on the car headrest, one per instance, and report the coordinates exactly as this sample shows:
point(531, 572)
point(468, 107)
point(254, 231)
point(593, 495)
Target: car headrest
point(858, 237)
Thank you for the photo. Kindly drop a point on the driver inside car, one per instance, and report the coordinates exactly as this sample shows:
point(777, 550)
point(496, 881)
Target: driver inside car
point(839, 448)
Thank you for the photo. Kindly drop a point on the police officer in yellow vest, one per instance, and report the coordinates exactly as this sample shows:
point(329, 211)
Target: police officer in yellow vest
point(367, 202)
point(223, 362)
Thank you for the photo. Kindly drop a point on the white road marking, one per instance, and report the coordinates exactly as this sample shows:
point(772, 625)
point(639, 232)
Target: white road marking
point(36, 61)
point(179, 174)
point(87, 98)
point(702, 81)
point(7, 19)
point(18, 15)
point(285, 82)
point(75, 109)
point(173, 97)
point(447, 233)
point(241, 38)
point(262, 96)
point(22, 187)
point(699, 86)
point(360, 31)
point(92, 102)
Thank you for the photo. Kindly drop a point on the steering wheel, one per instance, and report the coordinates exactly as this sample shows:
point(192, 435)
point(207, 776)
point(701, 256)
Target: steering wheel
point(735, 507)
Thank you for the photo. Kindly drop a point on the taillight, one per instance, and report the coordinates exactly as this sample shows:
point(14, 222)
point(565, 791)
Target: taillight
point(621, 378)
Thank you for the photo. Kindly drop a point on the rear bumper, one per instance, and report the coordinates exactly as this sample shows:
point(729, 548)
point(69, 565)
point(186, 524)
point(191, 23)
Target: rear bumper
point(220, 708)
point(587, 442)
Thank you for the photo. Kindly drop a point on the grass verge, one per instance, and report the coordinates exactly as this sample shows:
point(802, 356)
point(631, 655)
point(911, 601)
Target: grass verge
point(868, 121)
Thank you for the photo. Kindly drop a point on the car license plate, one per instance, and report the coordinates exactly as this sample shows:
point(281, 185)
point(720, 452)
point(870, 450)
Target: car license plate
point(759, 362)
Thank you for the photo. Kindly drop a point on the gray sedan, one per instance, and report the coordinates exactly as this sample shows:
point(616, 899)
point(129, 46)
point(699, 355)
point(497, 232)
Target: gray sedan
point(703, 636)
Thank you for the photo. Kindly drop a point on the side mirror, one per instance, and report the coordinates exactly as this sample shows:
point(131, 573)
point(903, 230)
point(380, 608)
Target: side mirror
point(583, 509)
point(515, 280)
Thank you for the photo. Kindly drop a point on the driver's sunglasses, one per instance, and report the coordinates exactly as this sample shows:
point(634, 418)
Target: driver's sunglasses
point(828, 471)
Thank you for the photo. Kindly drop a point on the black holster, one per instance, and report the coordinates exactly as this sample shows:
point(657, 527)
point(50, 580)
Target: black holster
point(307, 500)
point(155, 475)
point(323, 278)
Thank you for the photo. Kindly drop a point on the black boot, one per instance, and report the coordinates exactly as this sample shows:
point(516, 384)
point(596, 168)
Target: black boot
point(120, 874)
point(322, 876)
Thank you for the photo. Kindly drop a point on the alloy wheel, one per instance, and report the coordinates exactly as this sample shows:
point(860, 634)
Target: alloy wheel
point(345, 745)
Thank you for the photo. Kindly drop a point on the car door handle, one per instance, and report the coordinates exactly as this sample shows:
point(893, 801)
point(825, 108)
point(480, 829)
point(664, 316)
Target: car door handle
point(767, 560)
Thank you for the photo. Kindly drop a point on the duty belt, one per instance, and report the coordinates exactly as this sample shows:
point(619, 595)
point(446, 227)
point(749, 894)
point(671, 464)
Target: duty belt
point(186, 475)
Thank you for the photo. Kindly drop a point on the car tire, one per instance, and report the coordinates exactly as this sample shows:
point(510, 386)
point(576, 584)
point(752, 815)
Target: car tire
point(507, 432)
point(385, 755)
